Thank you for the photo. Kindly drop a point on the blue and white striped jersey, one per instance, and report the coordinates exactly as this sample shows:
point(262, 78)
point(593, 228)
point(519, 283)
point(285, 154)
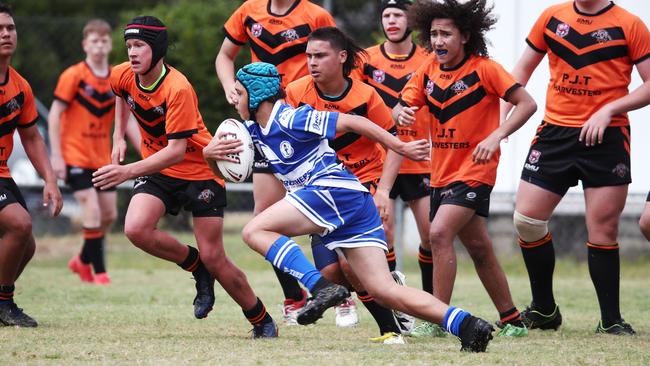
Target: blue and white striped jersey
point(295, 143)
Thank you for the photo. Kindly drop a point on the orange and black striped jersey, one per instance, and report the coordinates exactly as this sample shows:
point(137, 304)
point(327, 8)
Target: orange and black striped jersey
point(590, 58)
point(280, 40)
point(464, 104)
point(388, 75)
point(87, 121)
point(364, 157)
point(17, 109)
point(169, 111)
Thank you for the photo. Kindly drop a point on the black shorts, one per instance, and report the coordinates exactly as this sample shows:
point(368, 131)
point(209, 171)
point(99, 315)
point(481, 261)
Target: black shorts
point(204, 198)
point(260, 164)
point(410, 187)
point(557, 160)
point(10, 193)
point(472, 195)
point(81, 178)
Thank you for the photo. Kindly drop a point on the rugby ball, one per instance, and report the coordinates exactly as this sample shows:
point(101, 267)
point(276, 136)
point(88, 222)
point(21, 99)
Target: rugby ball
point(239, 171)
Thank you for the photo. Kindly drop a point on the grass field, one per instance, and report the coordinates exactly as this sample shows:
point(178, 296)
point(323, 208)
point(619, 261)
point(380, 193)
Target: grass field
point(145, 317)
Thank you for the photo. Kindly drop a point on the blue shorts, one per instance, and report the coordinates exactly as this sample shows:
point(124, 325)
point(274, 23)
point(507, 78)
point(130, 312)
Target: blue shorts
point(349, 218)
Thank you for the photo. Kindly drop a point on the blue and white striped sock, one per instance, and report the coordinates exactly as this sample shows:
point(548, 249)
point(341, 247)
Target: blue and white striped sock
point(453, 319)
point(286, 255)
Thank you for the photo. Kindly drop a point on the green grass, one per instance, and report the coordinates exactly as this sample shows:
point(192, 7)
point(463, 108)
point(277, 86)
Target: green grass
point(145, 317)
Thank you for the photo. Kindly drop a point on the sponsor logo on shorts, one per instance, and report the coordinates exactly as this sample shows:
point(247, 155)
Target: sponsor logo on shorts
point(261, 164)
point(470, 196)
point(286, 149)
point(379, 76)
point(562, 30)
point(76, 171)
point(531, 167)
point(290, 35)
point(256, 30)
point(206, 195)
point(601, 36)
point(533, 158)
point(447, 193)
point(140, 181)
point(3, 197)
point(621, 170)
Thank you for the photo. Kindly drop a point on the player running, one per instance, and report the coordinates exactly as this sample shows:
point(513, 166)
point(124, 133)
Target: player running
point(18, 110)
point(277, 32)
point(592, 46)
point(80, 123)
point(172, 174)
point(325, 199)
point(387, 67)
point(331, 56)
point(462, 92)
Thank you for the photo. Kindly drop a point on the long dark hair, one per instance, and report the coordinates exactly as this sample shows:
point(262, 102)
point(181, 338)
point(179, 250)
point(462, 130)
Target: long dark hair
point(340, 42)
point(472, 17)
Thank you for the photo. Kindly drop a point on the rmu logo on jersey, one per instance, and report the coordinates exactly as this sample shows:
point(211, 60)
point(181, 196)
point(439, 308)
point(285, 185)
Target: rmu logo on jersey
point(533, 158)
point(206, 195)
point(379, 76)
point(256, 29)
point(286, 149)
point(290, 35)
point(601, 36)
point(459, 87)
point(429, 87)
point(562, 30)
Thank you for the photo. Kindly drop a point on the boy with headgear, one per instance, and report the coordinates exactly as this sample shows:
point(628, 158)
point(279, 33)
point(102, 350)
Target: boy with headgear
point(172, 174)
point(327, 200)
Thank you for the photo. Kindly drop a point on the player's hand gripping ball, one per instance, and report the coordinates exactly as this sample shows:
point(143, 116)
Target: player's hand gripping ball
point(239, 170)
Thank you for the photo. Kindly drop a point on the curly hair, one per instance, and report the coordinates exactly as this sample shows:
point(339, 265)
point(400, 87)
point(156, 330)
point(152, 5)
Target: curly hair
point(472, 17)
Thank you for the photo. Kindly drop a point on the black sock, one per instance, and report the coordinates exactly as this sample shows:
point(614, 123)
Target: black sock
point(605, 270)
point(426, 269)
point(391, 258)
point(290, 286)
point(258, 314)
point(511, 316)
point(88, 249)
point(539, 258)
point(383, 317)
point(97, 254)
point(192, 261)
point(7, 293)
point(322, 282)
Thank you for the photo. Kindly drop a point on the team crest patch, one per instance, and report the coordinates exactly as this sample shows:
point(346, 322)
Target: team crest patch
point(159, 110)
point(88, 89)
point(286, 149)
point(601, 36)
point(290, 35)
point(459, 87)
point(562, 30)
point(256, 30)
point(620, 170)
point(206, 195)
point(12, 105)
point(429, 87)
point(533, 158)
point(130, 102)
point(379, 76)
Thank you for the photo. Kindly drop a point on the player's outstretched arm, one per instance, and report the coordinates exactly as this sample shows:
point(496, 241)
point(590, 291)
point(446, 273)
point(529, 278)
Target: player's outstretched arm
point(225, 65)
point(525, 107)
point(54, 132)
point(415, 150)
point(37, 153)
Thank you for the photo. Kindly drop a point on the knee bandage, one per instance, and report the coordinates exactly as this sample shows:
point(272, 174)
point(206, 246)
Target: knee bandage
point(529, 229)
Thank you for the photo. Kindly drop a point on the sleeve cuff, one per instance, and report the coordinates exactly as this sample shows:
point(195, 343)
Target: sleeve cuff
point(506, 95)
point(641, 59)
point(531, 45)
point(61, 99)
point(30, 124)
point(182, 134)
point(232, 39)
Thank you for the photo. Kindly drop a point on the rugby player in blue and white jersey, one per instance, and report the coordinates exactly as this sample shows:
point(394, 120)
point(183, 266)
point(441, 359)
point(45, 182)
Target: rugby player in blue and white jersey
point(325, 199)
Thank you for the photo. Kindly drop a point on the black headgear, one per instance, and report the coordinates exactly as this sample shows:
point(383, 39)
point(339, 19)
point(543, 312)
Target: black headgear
point(399, 4)
point(151, 30)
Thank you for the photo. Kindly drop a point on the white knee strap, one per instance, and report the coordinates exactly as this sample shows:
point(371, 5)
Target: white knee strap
point(529, 229)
